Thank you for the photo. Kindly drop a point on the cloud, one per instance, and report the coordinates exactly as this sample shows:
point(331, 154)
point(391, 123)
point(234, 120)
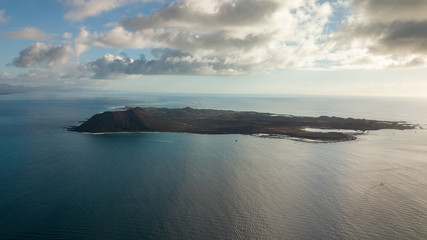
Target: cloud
point(180, 39)
point(46, 55)
point(225, 37)
point(230, 37)
point(5, 75)
point(3, 17)
point(81, 9)
point(391, 30)
point(72, 74)
point(67, 35)
point(167, 62)
point(43, 55)
point(238, 34)
point(29, 33)
point(207, 15)
point(390, 10)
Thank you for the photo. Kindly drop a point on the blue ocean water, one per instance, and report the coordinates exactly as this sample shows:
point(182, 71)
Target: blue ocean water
point(56, 184)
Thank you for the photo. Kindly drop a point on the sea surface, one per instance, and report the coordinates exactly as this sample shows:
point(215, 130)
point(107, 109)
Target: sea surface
point(56, 184)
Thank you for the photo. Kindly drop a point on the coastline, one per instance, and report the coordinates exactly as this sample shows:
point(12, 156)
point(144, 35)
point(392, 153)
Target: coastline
point(208, 121)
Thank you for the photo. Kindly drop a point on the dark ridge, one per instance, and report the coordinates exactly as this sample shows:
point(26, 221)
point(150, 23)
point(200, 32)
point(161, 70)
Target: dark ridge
point(134, 119)
point(229, 122)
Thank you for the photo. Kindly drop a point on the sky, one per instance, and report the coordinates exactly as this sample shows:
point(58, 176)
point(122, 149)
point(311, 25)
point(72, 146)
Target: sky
point(313, 47)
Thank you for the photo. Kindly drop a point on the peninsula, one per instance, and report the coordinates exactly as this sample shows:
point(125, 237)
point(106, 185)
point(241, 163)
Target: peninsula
point(208, 121)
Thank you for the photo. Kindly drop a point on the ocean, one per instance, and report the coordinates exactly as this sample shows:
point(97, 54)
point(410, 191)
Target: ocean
point(56, 184)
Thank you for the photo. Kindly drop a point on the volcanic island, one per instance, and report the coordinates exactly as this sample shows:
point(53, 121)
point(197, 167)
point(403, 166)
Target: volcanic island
point(209, 121)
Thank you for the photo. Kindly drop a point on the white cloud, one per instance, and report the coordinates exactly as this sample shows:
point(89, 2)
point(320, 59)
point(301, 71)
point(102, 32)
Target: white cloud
point(43, 55)
point(46, 55)
point(67, 35)
point(231, 37)
point(29, 33)
point(3, 17)
point(239, 34)
point(81, 9)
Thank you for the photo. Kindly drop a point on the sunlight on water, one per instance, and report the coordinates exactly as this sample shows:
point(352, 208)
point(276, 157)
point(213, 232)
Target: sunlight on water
point(58, 184)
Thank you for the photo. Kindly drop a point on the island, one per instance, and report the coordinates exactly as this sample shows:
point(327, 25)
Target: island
point(209, 121)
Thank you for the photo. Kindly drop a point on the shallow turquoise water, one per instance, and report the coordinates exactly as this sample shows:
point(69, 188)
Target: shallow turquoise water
point(58, 184)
